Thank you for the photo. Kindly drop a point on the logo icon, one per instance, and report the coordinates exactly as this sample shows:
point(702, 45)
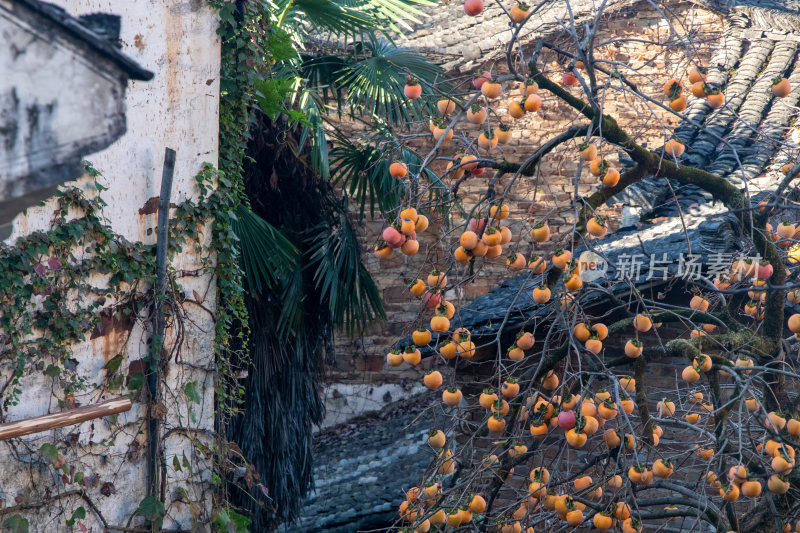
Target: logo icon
point(592, 266)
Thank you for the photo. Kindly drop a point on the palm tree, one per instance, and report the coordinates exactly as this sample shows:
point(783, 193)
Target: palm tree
point(299, 253)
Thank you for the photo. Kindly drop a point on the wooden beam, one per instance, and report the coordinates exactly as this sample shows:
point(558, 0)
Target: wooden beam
point(38, 424)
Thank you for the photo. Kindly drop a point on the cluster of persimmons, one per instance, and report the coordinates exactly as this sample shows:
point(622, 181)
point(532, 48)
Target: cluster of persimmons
point(530, 419)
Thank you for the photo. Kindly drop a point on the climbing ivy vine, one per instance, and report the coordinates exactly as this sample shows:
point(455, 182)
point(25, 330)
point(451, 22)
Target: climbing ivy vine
point(53, 269)
point(77, 280)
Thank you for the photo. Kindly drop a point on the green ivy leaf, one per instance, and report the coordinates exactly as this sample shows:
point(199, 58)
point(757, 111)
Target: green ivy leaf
point(192, 392)
point(16, 524)
point(240, 521)
point(52, 371)
point(78, 514)
point(296, 117)
point(230, 521)
point(183, 494)
point(176, 464)
point(136, 381)
point(222, 520)
point(113, 365)
point(271, 93)
point(152, 509)
point(48, 451)
point(280, 45)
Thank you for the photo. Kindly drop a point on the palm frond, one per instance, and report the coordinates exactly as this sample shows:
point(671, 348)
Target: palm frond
point(362, 167)
point(376, 80)
point(292, 294)
point(345, 284)
point(323, 16)
point(346, 18)
point(314, 132)
point(266, 254)
point(321, 74)
point(363, 171)
point(391, 13)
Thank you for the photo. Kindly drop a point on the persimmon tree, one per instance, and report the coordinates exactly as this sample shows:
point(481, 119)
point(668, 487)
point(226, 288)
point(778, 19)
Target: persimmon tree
point(570, 431)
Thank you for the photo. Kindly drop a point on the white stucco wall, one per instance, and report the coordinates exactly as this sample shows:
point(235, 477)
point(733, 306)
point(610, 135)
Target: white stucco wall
point(179, 107)
point(45, 124)
point(345, 401)
point(176, 39)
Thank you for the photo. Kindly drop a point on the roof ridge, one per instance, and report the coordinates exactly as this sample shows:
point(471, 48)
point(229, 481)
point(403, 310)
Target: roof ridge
point(80, 31)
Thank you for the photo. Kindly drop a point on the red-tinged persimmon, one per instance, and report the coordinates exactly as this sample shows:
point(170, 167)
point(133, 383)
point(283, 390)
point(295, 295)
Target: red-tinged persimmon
point(532, 103)
point(569, 79)
point(781, 87)
point(413, 89)
point(473, 8)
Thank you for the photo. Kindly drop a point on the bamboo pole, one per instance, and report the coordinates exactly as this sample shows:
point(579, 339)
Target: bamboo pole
point(38, 424)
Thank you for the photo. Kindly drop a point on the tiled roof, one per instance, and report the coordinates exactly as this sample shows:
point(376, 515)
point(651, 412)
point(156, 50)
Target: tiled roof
point(749, 129)
point(462, 42)
point(363, 467)
point(707, 229)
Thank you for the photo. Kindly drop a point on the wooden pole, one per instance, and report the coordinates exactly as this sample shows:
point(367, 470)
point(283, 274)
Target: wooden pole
point(159, 323)
point(71, 417)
